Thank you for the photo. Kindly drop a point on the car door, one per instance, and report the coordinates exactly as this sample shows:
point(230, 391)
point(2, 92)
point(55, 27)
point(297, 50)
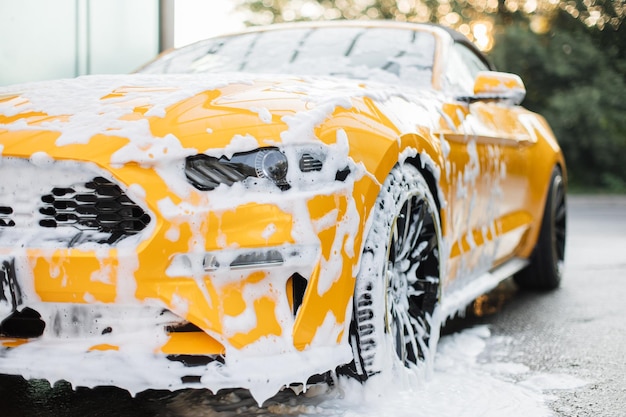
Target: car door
point(486, 170)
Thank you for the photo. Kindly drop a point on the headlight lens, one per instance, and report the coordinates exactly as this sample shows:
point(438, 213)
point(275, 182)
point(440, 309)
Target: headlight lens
point(206, 172)
point(271, 164)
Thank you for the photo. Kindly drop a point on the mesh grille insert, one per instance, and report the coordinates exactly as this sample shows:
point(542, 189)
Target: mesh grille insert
point(95, 206)
point(6, 218)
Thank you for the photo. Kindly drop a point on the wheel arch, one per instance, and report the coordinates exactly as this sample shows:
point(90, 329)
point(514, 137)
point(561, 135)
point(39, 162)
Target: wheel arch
point(380, 153)
point(429, 177)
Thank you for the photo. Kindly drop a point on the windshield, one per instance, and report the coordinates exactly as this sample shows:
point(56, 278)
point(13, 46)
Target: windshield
point(384, 54)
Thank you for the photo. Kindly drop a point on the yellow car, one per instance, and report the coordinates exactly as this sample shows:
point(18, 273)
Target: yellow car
point(256, 209)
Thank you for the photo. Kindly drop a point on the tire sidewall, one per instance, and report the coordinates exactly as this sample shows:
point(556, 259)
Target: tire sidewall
point(545, 269)
point(548, 232)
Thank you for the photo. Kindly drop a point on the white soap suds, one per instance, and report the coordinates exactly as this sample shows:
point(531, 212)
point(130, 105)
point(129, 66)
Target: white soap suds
point(461, 385)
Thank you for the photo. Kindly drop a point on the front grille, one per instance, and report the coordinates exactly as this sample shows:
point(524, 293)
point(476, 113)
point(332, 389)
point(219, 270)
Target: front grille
point(63, 204)
point(6, 217)
point(95, 206)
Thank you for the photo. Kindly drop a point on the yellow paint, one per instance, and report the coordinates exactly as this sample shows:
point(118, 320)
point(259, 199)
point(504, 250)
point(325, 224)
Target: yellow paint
point(104, 347)
point(490, 82)
point(258, 218)
point(232, 294)
point(192, 343)
point(264, 308)
point(72, 276)
point(210, 120)
point(12, 343)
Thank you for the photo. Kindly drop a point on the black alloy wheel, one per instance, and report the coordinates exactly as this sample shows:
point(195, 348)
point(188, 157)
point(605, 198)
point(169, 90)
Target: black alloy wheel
point(397, 289)
point(547, 261)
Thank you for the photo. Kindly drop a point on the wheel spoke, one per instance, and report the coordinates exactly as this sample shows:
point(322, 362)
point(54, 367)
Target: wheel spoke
point(408, 231)
point(424, 249)
point(411, 337)
point(406, 224)
point(393, 244)
point(412, 258)
point(560, 213)
point(418, 232)
point(413, 292)
point(560, 247)
point(398, 336)
point(560, 194)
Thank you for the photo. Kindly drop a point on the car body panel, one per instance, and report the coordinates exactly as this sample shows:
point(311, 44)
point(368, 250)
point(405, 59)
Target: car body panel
point(488, 161)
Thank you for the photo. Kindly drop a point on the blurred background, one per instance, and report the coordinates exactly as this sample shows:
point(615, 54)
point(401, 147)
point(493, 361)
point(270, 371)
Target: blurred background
point(571, 54)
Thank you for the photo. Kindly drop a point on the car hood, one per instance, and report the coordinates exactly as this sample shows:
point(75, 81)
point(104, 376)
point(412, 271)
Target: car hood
point(149, 119)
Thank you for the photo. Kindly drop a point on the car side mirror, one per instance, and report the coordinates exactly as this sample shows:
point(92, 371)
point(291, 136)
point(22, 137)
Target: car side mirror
point(492, 85)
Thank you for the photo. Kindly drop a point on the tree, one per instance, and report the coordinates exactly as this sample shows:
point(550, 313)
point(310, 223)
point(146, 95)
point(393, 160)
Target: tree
point(578, 83)
point(458, 14)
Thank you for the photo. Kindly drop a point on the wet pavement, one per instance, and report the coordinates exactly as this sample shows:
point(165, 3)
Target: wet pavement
point(580, 329)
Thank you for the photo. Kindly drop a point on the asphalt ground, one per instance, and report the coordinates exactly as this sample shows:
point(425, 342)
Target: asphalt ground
point(580, 328)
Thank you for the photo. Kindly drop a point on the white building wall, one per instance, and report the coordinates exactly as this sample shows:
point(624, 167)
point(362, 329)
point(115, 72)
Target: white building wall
point(47, 39)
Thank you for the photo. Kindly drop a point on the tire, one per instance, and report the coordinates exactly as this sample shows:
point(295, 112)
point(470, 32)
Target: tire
point(397, 288)
point(547, 260)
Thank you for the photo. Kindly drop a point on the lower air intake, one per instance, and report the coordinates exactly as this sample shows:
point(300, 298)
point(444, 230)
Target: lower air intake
point(99, 208)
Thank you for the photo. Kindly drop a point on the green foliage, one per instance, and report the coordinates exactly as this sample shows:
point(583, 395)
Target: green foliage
point(600, 13)
point(579, 86)
point(453, 12)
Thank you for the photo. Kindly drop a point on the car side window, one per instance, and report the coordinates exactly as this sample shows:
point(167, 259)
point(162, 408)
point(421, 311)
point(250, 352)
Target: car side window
point(461, 68)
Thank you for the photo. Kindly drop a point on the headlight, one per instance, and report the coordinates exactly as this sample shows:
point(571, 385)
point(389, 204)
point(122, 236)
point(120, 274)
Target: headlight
point(207, 172)
point(271, 164)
